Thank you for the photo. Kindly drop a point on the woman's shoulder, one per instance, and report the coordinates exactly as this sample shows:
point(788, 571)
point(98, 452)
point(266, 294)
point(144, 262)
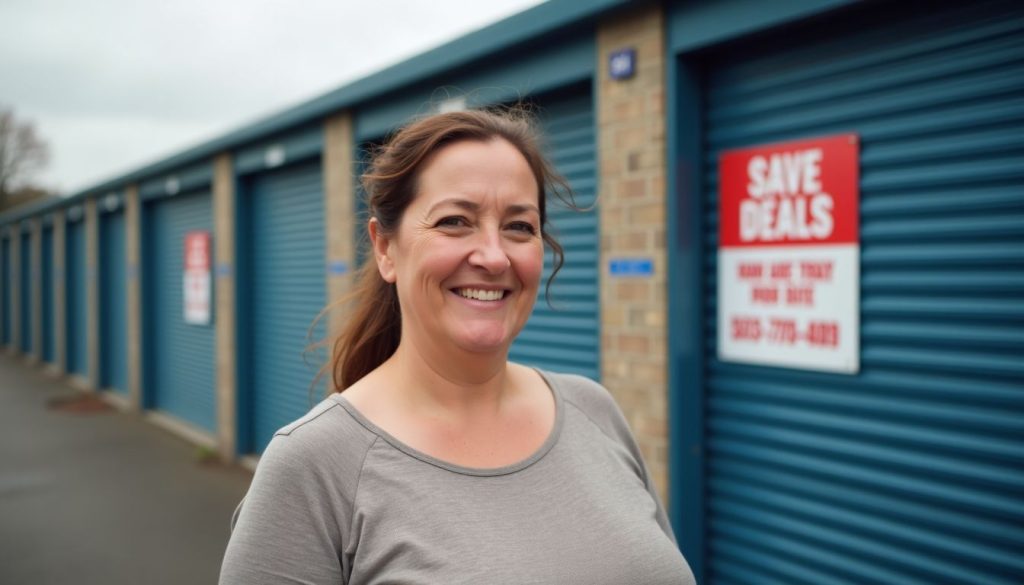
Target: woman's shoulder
point(580, 390)
point(590, 398)
point(325, 436)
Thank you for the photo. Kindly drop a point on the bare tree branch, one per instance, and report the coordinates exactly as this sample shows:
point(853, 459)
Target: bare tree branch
point(22, 153)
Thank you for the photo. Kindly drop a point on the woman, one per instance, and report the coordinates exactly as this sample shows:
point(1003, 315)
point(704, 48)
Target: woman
point(440, 461)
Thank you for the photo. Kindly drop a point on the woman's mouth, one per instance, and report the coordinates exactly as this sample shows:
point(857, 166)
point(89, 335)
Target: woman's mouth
point(479, 294)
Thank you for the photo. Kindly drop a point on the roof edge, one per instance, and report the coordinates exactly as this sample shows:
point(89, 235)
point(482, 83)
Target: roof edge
point(509, 32)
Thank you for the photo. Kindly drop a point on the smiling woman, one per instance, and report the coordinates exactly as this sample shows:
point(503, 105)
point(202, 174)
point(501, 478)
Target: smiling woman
point(438, 460)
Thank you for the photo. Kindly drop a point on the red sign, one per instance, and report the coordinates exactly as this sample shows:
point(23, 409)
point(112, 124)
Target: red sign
point(196, 278)
point(197, 251)
point(789, 254)
point(803, 192)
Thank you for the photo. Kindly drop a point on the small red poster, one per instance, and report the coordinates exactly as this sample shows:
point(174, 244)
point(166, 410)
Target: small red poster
point(196, 279)
point(789, 254)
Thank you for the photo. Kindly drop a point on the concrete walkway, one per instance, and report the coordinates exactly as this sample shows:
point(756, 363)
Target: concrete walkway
point(103, 497)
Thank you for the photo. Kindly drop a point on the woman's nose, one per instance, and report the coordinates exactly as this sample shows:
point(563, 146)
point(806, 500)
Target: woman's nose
point(489, 254)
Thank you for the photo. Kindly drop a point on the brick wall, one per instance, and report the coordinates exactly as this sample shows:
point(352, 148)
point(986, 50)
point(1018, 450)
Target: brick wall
point(631, 129)
point(224, 217)
point(339, 205)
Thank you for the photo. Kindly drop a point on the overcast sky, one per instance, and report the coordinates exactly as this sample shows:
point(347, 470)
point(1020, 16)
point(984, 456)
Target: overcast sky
point(115, 84)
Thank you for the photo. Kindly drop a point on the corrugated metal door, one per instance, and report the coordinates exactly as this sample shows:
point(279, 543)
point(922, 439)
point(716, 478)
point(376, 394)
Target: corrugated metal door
point(47, 278)
point(565, 336)
point(910, 471)
point(76, 310)
point(5, 273)
point(180, 357)
point(113, 299)
point(285, 249)
point(26, 292)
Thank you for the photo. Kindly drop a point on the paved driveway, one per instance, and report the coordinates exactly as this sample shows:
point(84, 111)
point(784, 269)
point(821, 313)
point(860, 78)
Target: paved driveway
point(103, 497)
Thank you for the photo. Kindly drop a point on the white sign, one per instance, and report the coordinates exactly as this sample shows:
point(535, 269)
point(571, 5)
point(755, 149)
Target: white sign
point(789, 255)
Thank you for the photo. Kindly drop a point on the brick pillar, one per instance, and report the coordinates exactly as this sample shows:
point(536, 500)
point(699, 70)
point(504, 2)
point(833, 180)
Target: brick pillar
point(631, 130)
point(60, 295)
point(224, 252)
point(133, 296)
point(339, 208)
point(37, 289)
point(92, 292)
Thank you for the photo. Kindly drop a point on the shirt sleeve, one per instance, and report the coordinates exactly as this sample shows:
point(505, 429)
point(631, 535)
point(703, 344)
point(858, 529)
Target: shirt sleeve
point(661, 515)
point(285, 530)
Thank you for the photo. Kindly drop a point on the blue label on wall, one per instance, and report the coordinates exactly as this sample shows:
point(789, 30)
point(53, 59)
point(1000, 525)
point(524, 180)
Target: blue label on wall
point(622, 63)
point(133, 271)
point(623, 267)
point(223, 270)
point(338, 267)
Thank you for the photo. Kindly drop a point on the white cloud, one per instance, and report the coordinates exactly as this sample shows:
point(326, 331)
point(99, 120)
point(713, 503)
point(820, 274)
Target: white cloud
point(115, 84)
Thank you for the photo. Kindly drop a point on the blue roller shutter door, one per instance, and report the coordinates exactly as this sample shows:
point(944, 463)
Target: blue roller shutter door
point(26, 292)
point(76, 310)
point(565, 336)
point(113, 285)
point(180, 357)
point(285, 250)
point(5, 273)
point(47, 281)
point(910, 471)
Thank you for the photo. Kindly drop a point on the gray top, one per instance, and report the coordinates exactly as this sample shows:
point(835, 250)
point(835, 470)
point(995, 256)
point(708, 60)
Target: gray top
point(336, 499)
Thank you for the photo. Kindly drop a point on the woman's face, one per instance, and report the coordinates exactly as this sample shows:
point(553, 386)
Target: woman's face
point(467, 256)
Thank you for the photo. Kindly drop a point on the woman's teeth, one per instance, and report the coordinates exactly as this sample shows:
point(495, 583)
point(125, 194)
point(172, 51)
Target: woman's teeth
point(481, 295)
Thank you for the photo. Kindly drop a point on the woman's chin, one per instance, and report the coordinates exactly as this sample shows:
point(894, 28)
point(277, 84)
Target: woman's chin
point(485, 340)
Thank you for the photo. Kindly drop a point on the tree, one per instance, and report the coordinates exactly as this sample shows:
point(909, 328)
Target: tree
point(22, 153)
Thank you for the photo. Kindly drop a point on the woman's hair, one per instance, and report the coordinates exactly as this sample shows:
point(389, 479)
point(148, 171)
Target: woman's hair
point(374, 322)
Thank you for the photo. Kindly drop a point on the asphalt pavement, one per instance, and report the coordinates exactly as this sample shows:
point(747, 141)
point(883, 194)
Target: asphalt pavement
point(99, 496)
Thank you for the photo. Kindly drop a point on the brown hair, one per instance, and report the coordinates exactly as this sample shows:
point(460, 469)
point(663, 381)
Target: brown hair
point(374, 323)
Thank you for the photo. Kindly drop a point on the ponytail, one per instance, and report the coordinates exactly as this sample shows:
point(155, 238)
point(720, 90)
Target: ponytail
point(372, 331)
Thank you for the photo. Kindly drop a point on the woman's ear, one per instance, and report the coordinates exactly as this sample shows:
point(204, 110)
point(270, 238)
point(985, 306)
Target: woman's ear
point(381, 251)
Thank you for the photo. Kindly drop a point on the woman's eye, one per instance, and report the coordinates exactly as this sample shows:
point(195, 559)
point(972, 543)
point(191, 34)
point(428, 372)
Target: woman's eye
point(522, 226)
point(452, 221)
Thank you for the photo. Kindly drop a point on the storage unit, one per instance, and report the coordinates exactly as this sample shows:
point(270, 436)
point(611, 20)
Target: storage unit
point(5, 288)
point(75, 282)
point(283, 262)
point(564, 336)
point(910, 470)
point(25, 268)
point(179, 357)
point(47, 291)
point(113, 298)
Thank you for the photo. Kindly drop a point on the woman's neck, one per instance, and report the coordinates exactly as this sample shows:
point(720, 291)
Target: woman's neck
point(460, 386)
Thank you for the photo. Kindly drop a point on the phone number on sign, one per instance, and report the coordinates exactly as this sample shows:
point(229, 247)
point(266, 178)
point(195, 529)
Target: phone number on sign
point(785, 332)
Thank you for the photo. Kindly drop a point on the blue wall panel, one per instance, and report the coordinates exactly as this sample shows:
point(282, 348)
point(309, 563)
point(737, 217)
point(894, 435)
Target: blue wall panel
point(910, 471)
point(180, 357)
point(26, 292)
point(76, 310)
point(565, 336)
point(285, 266)
point(5, 274)
point(113, 302)
point(47, 292)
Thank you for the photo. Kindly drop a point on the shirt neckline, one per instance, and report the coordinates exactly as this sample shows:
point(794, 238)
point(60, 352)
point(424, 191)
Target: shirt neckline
point(556, 431)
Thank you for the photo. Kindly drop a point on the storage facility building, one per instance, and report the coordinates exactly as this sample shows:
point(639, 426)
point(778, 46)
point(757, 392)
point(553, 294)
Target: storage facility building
point(901, 462)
